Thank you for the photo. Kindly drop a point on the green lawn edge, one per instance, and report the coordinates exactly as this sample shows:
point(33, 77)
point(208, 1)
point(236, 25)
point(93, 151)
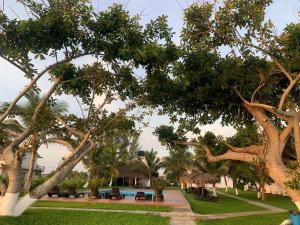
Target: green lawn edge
point(110, 206)
point(268, 219)
point(68, 217)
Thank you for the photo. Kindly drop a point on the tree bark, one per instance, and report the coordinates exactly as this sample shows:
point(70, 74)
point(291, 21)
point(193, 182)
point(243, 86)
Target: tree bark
point(226, 185)
point(12, 207)
point(29, 175)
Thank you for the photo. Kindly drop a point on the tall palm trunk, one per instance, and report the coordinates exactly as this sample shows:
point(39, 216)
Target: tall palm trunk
point(29, 175)
point(226, 185)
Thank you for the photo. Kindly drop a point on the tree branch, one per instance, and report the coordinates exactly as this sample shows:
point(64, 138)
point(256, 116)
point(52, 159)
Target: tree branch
point(76, 151)
point(297, 137)
point(60, 141)
point(32, 83)
point(70, 129)
point(259, 105)
point(252, 149)
point(192, 143)
point(34, 118)
point(230, 155)
point(282, 69)
point(287, 91)
point(60, 174)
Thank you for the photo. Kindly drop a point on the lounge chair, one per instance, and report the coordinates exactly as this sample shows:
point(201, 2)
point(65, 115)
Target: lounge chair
point(95, 194)
point(55, 191)
point(205, 195)
point(140, 195)
point(72, 192)
point(115, 194)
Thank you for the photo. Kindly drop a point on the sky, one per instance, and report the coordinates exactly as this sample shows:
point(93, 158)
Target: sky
point(281, 12)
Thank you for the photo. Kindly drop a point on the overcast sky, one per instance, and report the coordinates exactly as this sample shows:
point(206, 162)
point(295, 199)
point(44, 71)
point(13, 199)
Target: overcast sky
point(281, 12)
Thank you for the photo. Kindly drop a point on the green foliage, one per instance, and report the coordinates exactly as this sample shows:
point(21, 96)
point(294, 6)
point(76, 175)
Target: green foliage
point(36, 181)
point(150, 164)
point(226, 46)
point(177, 163)
point(75, 180)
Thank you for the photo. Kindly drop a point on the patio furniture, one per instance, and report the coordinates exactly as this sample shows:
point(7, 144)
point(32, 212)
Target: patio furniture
point(95, 194)
point(56, 191)
point(72, 192)
point(115, 194)
point(106, 194)
point(205, 195)
point(140, 195)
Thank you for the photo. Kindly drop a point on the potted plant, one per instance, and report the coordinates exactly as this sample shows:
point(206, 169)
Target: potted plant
point(158, 185)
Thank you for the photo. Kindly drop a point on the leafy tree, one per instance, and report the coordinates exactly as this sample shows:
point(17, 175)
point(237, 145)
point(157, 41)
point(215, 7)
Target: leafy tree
point(233, 67)
point(177, 163)
point(149, 164)
point(21, 118)
point(61, 31)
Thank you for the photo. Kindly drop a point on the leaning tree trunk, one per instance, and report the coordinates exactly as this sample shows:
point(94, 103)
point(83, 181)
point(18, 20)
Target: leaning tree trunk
point(11, 205)
point(29, 175)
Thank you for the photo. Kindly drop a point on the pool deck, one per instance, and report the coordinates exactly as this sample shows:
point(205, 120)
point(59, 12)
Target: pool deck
point(173, 198)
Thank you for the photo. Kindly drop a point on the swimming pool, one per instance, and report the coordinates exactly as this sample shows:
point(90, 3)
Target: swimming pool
point(133, 193)
point(127, 193)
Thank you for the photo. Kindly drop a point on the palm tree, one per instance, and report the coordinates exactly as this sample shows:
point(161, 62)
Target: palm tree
point(149, 164)
point(117, 149)
point(177, 163)
point(21, 118)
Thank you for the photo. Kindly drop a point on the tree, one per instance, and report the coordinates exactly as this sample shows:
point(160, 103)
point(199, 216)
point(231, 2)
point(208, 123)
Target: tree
point(61, 31)
point(149, 164)
point(233, 67)
point(21, 119)
point(177, 163)
point(119, 148)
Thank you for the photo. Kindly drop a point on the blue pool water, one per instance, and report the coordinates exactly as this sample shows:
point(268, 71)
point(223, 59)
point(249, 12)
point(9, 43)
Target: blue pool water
point(133, 193)
point(128, 193)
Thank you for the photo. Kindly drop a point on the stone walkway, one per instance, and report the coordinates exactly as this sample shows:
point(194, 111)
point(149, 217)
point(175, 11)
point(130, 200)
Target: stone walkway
point(183, 215)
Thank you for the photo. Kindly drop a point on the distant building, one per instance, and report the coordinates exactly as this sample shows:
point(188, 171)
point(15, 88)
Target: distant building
point(38, 170)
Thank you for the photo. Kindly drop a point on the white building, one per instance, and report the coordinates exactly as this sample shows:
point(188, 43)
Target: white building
point(26, 164)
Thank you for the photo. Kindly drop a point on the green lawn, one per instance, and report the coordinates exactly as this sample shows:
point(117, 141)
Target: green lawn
point(60, 217)
point(274, 200)
point(223, 205)
point(270, 219)
point(173, 188)
point(115, 206)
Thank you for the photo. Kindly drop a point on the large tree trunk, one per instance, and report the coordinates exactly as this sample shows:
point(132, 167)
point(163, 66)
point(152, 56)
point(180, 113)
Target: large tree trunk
point(271, 153)
point(10, 204)
point(9, 200)
point(29, 175)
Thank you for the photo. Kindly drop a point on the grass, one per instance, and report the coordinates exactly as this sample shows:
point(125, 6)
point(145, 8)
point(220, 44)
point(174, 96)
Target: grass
point(223, 205)
point(279, 201)
point(60, 217)
point(113, 206)
point(173, 188)
point(269, 219)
